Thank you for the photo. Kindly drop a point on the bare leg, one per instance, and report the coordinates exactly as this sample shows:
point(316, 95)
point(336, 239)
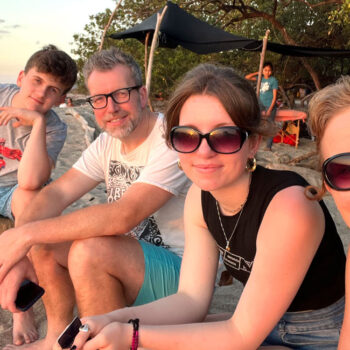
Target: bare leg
point(50, 263)
point(24, 329)
point(107, 273)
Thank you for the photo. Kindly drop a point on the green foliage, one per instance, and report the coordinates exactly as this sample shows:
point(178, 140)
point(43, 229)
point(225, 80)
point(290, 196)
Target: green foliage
point(290, 21)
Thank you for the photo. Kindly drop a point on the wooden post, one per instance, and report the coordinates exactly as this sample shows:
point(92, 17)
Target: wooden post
point(262, 57)
point(151, 54)
point(146, 53)
point(107, 26)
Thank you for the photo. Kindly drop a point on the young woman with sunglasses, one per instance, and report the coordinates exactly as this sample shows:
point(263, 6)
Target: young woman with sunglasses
point(283, 247)
point(329, 121)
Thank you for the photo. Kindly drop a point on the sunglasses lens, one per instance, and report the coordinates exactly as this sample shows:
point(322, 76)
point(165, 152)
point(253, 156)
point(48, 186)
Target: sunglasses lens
point(226, 140)
point(338, 172)
point(184, 140)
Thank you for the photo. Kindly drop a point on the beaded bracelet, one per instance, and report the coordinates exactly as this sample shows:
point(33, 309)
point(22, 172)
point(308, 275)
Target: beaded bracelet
point(135, 334)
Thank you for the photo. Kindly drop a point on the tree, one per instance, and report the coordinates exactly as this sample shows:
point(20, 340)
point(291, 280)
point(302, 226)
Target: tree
point(297, 22)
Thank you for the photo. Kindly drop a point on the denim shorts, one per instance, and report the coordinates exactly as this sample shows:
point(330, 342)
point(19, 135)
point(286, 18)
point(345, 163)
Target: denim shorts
point(309, 330)
point(6, 200)
point(162, 271)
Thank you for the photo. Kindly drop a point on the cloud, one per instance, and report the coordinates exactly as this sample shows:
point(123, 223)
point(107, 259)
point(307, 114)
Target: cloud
point(14, 26)
point(2, 20)
point(4, 31)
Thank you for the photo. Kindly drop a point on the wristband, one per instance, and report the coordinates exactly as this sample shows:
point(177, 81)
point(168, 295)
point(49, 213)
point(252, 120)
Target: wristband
point(135, 334)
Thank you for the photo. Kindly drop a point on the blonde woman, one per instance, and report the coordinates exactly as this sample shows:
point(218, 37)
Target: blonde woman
point(329, 121)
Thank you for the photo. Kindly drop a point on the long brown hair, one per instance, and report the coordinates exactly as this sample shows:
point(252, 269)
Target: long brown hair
point(234, 92)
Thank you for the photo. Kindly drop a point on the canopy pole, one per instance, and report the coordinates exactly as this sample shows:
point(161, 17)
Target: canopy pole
point(262, 57)
point(146, 53)
point(107, 26)
point(151, 54)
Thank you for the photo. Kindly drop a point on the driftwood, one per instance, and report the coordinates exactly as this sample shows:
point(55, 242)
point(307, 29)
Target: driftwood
point(107, 26)
point(301, 158)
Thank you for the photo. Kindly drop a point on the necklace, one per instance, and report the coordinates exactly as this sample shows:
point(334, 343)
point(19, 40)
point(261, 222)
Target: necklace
point(228, 240)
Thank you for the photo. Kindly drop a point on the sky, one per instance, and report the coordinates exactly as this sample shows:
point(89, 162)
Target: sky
point(28, 25)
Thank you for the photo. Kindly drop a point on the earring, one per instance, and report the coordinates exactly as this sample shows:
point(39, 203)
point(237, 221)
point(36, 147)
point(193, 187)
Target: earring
point(251, 165)
point(179, 164)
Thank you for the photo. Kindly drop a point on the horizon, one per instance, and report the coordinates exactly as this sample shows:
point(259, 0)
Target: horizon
point(26, 27)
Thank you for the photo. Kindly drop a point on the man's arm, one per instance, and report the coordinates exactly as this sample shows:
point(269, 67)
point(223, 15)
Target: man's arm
point(40, 223)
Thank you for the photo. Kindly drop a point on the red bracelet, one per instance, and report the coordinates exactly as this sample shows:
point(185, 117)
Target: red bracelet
point(135, 334)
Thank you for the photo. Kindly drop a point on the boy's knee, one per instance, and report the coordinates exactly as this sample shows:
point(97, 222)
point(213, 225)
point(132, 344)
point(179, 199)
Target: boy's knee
point(20, 200)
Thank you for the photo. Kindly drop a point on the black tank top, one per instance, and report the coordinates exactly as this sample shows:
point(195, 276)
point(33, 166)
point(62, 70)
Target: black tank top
point(324, 282)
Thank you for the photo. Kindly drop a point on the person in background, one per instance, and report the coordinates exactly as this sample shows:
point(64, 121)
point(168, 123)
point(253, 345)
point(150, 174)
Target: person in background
point(267, 95)
point(282, 246)
point(124, 252)
point(31, 137)
point(329, 122)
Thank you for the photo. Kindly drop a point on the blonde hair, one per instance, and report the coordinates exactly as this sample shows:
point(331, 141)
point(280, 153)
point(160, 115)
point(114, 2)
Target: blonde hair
point(325, 104)
point(322, 107)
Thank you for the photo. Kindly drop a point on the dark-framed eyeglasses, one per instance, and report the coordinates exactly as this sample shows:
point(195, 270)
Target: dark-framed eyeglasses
point(336, 171)
point(225, 139)
point(118, 96)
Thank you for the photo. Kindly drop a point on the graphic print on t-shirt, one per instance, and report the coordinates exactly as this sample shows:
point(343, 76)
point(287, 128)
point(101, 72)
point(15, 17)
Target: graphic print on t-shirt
point(120, 177)
point(235, 261)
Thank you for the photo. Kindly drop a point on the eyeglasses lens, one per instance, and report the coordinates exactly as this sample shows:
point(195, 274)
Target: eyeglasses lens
point(221, 140)
point(185, 140)
point(225, 140)
point(338, 172)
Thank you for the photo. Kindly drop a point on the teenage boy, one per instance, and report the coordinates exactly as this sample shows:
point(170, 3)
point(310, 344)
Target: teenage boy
point(31, 137)
point(109, 268)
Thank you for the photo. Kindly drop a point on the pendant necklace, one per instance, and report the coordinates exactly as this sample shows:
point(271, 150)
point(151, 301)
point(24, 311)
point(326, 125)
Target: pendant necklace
point(228, 240)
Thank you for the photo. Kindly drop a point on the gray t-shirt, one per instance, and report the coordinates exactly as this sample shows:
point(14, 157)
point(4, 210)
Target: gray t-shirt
point(13, 140)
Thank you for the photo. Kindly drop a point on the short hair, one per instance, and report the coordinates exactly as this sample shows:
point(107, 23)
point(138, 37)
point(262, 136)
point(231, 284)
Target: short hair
point(325, 104)
point(106, 60)
point(268, 64)
point(234, 92)
point(53, 61)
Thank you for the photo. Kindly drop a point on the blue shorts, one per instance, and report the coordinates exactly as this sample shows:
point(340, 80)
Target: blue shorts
point(162, 271)
point(6, 194)
point(309, 330)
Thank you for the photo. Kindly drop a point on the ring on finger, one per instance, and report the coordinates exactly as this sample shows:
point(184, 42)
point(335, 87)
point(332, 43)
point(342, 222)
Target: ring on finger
point(84, 328)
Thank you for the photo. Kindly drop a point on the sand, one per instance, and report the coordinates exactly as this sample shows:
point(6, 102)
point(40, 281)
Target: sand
point(79, 136)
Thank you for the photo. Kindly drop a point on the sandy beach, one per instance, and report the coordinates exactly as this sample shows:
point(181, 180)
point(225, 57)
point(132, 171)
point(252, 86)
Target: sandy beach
point(80, 134)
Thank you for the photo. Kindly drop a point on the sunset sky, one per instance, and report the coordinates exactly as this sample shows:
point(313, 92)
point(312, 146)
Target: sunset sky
point(27, 26)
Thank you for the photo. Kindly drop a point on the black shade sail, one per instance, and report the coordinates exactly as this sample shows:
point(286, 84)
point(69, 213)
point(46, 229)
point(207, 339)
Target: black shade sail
point(180, 28)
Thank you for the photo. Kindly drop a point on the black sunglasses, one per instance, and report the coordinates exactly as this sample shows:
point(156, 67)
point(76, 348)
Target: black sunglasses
point(118, 96)
point(225, 140)
point(336, 171)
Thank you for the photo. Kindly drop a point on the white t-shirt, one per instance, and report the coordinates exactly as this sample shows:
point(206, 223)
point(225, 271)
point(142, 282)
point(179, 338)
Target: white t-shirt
point(153, 163)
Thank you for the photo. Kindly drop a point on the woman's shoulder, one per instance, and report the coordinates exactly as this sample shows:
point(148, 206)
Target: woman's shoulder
point(275, 176)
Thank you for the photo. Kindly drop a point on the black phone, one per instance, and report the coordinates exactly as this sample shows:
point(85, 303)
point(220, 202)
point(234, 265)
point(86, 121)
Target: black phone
point(28, 294)
point(66, 339)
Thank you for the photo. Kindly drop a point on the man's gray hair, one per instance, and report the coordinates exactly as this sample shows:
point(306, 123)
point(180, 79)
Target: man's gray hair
point(106, 60)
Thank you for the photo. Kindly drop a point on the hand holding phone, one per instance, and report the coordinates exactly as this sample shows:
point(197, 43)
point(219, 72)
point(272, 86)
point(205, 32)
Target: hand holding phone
point(66, 339)
point(28, 294)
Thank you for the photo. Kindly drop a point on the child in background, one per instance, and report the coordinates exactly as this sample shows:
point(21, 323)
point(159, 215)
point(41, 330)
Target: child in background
point(267, 95)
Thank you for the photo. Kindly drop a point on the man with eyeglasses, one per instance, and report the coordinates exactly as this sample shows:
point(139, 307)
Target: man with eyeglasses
point(127, 251)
